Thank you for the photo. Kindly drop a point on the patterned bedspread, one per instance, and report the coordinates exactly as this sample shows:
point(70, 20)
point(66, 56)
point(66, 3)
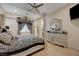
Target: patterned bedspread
point(19, 42)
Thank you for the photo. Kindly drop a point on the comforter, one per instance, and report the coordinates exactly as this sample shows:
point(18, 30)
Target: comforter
point(20, 42)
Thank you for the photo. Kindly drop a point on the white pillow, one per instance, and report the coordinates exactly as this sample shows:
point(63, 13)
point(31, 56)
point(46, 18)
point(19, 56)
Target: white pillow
point(25, 33)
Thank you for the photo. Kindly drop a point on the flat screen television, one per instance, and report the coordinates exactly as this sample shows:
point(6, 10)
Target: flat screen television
point(74, 12)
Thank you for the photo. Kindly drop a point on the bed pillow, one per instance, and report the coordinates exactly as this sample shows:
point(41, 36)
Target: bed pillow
point(6, 38)
point(25, 33)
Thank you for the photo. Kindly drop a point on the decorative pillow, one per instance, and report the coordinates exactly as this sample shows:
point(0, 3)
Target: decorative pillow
point(6, 38)
point(25, 33)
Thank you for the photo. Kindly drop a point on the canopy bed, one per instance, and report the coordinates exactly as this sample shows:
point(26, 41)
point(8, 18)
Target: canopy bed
point(24, 43)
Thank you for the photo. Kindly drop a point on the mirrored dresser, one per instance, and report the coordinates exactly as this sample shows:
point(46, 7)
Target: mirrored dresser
point(56, 35)
point(59, 38)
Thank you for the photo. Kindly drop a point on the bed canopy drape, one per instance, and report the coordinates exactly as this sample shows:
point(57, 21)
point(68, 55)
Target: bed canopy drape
point(24, 24)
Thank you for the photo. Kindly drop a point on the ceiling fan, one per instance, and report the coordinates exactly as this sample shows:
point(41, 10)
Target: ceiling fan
point(35, 6)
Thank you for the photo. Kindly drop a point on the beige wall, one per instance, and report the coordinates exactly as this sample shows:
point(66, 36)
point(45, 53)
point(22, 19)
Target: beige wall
point(11, 22)
point(73, 31)
point(1, 11)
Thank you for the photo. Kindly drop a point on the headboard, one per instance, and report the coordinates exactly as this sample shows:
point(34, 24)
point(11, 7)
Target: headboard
point(22, 22)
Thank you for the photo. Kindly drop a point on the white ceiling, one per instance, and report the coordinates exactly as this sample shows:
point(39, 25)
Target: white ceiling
point(26, 9)
point(46, 8)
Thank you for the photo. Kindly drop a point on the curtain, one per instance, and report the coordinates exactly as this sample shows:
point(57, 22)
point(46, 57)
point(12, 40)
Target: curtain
point(29, 26)
point(2, 20)
point(21, 25)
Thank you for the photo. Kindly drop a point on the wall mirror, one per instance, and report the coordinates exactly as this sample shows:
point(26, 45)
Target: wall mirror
point(74, 14)
point(55, 25)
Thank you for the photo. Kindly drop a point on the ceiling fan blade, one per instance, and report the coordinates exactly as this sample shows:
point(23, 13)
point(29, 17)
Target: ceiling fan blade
point(39, 5)
point(31, 5)
point(34, 4)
